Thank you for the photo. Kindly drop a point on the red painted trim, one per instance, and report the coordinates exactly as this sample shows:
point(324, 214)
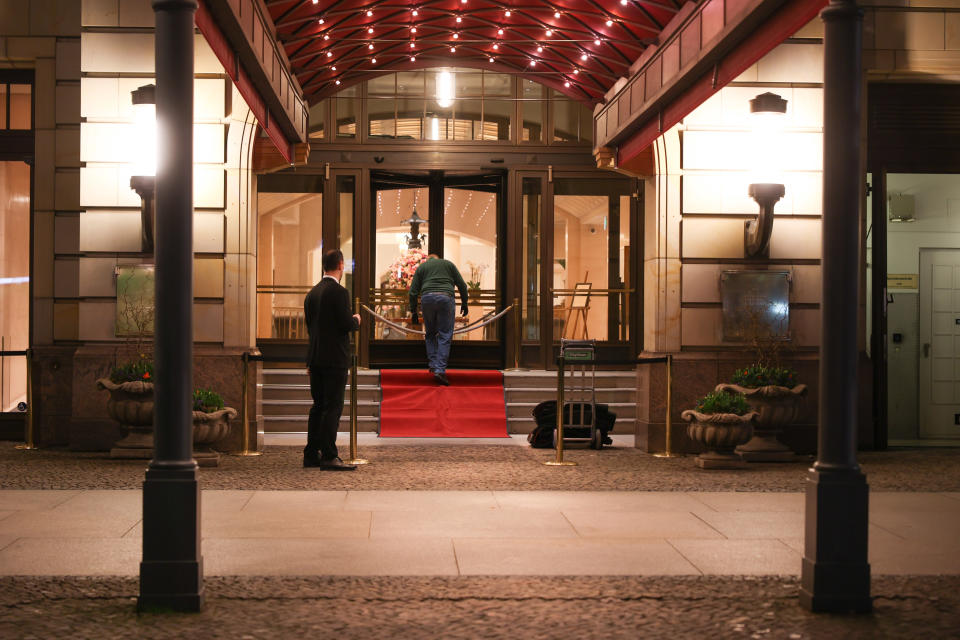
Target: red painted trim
point(778, 27)
point(221, 48)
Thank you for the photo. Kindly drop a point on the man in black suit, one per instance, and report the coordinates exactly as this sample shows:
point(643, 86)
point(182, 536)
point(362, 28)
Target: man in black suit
point(326, 310)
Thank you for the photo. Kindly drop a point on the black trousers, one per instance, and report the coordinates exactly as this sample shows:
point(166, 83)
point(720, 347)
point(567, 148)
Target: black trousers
point(327, 388)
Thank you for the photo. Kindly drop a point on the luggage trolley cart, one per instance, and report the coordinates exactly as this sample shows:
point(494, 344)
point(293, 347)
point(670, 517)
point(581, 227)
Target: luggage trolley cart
point(579, 395)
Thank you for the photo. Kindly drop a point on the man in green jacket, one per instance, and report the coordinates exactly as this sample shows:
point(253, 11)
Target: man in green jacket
point(433, 283)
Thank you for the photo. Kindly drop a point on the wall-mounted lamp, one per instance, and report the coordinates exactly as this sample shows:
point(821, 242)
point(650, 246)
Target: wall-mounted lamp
point(766, 185)
point(144, 149)
point(416, 239)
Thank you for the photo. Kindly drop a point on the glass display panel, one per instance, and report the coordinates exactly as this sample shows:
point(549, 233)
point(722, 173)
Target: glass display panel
point(496, 119)
point(410, 118)
point(497, 84)
point(470, 242)
point(396, 255)
point(347, 112)
point(531, 207)
point(15, 279)
point(382, 85)
point(531, 109)
point(317, 119)
point(469, 120)
point(588, 250)
point(380, 115)
point(411, 83)
point(566, 119)
point(469, 85)
point(346, 195)
point(289, 260)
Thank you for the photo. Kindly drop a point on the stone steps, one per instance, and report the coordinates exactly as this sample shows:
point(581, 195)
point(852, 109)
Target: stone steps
point(285, 398)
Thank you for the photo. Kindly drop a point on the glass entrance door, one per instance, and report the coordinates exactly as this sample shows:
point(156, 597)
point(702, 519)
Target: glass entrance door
point(457, 217)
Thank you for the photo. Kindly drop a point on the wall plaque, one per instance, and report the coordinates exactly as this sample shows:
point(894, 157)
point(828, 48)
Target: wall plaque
point(903, 281)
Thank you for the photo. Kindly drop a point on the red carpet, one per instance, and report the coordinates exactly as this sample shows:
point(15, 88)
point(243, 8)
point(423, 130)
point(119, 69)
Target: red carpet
point(413, 405)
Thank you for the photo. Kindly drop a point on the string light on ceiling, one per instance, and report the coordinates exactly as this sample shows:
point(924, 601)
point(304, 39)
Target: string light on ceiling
point(570, 26)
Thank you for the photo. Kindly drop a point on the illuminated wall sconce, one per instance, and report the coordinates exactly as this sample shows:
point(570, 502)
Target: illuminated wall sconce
point(768, 111)
point(144, 149)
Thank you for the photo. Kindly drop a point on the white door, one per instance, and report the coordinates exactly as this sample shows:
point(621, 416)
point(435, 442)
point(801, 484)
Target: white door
point(939, 391)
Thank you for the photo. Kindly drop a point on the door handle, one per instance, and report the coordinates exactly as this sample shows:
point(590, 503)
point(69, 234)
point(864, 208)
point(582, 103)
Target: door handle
point(926, 349)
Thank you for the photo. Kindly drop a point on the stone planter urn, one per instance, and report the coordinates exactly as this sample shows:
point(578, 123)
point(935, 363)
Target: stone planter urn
point(719, 434)
point(131, 404)
point(777, 408)
point(207, 429)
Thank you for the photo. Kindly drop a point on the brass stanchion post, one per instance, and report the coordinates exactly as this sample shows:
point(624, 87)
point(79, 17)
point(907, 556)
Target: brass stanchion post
point(668, 453)
point(517, 335)
point(28, 436)
point(354, 458)
point(244, 408)
point(560, 462)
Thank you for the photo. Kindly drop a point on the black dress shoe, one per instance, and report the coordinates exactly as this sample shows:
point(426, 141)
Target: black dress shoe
point(312, 462)
point(336, 464)
point(441, 378)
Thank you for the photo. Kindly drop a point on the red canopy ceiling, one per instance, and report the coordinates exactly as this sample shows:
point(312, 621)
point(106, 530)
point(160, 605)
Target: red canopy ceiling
point(580, 47)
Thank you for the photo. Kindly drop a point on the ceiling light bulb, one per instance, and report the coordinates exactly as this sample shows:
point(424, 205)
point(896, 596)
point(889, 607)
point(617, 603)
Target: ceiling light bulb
point(453, 49)
point(333, 68)
point(583, 56)
point(373, 60)
point(609, 23)
point(576, 71)
point(412, 59)
point(412, 45)
point(508, 14)
point(321, 21)
point(499, 32)
point(623, 2)
point(597, 42)
point(456, 36)
point(533, 63)
point(370, 46)
point(566, 84)
point(370, 30)
point(491, 59)
point(415, 12)
point(539, 49)
point(316, 1)
point(329, 54)
point(556, 14)
point(549, 32)
point(338, 82)
point(496, 46)
point(326, 37)
point(459, 19)
point(413, 29)
point(369, 14)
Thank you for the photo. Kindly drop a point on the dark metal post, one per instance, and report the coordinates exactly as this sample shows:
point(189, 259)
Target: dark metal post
point(836, 575)
point(171, 573)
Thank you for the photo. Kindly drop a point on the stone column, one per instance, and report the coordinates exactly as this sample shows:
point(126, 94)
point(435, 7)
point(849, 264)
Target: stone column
point(836, 575)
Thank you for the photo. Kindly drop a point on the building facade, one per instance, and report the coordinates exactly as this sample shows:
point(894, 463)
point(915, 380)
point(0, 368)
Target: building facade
point(505, 176)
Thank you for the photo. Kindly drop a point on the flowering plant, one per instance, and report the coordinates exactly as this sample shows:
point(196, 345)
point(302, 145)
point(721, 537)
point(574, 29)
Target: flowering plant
point(400, 273)
point(140, 369)
point(476, 273)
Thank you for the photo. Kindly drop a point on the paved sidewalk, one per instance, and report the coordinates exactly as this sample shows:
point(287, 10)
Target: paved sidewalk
point(470, 533)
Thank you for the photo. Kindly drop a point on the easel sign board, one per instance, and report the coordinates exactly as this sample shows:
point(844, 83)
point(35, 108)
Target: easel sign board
point(581, 295)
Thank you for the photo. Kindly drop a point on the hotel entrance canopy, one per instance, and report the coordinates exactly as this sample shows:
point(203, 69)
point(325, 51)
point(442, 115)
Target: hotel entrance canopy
point(647, 62)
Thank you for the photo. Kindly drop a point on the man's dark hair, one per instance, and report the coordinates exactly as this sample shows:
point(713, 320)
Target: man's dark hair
point(332, 259)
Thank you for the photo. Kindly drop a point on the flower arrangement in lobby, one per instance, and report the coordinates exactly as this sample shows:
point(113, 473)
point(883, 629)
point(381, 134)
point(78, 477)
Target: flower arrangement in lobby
point(400, 273)
point(476, 274)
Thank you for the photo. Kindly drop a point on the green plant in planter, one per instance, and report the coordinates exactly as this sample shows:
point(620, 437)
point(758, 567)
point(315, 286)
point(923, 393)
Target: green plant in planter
point(133, 371)
point(758, 375)
point(722, 402)
point(207, 401)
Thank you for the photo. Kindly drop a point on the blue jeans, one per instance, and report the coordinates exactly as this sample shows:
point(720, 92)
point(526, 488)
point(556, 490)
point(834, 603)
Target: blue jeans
point(437, 310)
